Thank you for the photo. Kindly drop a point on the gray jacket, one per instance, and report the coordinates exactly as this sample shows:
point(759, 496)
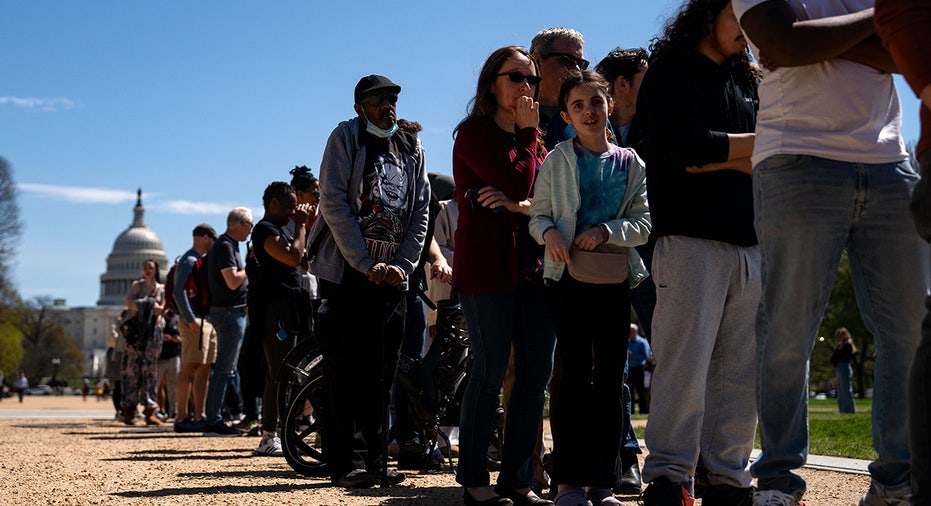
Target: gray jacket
point(340, 182)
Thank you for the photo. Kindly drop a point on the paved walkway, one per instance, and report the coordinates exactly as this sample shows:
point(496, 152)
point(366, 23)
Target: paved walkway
point(64, 408)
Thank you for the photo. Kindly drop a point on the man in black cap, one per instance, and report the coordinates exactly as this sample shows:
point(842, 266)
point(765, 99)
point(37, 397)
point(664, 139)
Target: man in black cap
point(373, 219)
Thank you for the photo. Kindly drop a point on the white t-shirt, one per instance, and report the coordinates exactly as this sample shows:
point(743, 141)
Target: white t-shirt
point(835, 109)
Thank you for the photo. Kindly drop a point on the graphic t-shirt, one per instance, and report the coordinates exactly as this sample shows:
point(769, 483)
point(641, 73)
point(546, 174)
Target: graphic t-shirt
point(383, 197)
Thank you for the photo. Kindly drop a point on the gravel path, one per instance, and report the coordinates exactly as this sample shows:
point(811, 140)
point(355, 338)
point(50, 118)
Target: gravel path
point(79, 461)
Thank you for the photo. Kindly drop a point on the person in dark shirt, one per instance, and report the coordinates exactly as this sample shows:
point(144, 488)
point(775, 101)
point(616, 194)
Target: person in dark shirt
point(374, 199)
point(226, 275)
point(278, 255)
point(840, 359)
point(698, 106)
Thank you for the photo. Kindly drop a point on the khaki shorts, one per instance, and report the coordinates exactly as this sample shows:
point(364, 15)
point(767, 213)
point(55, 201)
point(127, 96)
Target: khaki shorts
point(206, 353)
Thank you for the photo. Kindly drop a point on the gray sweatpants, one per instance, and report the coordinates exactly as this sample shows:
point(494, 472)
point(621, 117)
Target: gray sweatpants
point(703, 390)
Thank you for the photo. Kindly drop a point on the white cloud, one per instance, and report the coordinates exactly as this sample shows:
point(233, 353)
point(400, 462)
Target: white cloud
point(38, 104)
point(188, 207)
point(79, 194)
point(83, 195)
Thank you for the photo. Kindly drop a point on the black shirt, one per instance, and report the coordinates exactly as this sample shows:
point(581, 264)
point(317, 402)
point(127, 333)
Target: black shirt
point(686, 107)
point(275, 278)
point(223, 255)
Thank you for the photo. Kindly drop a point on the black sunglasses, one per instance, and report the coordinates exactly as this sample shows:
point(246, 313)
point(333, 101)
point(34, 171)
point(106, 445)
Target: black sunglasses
point(376, 100)
point(567, 60)
point(517, 77)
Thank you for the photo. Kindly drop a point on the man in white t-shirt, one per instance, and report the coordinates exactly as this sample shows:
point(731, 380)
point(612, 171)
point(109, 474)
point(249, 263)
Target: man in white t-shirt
point(830, 173)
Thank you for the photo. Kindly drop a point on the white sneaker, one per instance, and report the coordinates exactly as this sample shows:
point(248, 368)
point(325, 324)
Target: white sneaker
point(775, 498)
point(270, 445)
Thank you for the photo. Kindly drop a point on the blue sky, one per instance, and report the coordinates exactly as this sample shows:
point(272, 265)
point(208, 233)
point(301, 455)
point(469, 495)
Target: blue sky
point(202, 104)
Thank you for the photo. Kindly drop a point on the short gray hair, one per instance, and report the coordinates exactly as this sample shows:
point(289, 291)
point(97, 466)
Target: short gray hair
point(543, 41)
point(239, 215)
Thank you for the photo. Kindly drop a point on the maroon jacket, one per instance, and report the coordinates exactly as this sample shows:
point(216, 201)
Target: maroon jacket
point(484, 155)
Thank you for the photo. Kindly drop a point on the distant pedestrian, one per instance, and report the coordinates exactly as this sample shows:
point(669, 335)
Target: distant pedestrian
point(21, 384)
point(840, 359)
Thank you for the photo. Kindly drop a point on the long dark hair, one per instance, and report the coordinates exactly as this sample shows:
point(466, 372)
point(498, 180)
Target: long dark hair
point(484, 102)
point(694, 22)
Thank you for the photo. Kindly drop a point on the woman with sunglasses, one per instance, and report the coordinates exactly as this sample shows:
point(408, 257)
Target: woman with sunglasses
point(495, 157)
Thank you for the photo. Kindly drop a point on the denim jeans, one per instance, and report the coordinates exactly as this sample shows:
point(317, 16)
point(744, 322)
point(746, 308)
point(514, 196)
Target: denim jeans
point(845, 402)
point(230, 324)
point(490, 319)
point(808, 210)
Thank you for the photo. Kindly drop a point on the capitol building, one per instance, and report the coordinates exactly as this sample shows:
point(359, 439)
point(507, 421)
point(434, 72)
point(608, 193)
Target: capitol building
point(91, 327)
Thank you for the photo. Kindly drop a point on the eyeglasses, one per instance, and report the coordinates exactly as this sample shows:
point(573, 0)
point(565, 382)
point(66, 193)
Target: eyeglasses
point(517, 77)
point(376, 100)
point(567, 60)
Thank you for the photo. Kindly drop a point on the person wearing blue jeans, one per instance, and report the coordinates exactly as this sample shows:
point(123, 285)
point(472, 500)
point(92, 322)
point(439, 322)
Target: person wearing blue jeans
point(843, 354)
point(860, 208)
point(226, 275)
point(830, 173)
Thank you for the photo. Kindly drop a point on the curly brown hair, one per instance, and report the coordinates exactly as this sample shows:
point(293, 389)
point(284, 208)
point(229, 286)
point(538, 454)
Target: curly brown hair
point(695, 21)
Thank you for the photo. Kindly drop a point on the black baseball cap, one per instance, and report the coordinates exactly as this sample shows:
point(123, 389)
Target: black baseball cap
point(205, 230)
point(374, 82)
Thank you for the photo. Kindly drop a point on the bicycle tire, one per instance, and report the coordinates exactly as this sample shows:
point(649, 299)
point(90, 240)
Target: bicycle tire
point(294, 371)
point(301, 439)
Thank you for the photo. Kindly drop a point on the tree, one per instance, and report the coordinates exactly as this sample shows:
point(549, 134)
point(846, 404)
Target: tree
point(11, 348)
point(842, 311)
point(10, 226)
point(43, 340)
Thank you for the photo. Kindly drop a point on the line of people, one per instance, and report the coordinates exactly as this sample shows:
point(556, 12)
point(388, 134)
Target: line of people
point(712, 196)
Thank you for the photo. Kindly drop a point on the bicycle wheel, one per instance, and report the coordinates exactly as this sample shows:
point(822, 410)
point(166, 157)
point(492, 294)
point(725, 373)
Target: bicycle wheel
point(302, 428)
point(295, 370)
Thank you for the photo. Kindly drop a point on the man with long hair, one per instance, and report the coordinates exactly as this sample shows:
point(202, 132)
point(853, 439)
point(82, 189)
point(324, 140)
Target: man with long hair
point(697, 105)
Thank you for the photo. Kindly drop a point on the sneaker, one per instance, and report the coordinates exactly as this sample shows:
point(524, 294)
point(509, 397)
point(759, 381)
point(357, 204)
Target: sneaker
point(663, 492)
point(255, 431)
point(774, 497)
point(270, 445)
point(220, 429)
point(871, 498)
point(357, 478)
point(189, 424)
point(246, 424)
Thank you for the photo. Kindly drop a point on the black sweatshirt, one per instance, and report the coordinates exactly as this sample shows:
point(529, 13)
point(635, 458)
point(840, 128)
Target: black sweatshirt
point(686, 107)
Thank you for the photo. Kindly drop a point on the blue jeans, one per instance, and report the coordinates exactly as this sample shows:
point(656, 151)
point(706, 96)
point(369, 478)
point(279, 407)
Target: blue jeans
point(490, 318)
point(845, 402)
point(230, 324)
point(808, 210)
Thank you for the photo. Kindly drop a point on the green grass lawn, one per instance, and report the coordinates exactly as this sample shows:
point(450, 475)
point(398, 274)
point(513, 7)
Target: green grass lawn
point(830, 432)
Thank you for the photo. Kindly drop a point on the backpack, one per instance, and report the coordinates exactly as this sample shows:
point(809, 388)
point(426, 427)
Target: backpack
point(196, 288)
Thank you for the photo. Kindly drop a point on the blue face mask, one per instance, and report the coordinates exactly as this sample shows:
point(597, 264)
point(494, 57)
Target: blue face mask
point(380, 132)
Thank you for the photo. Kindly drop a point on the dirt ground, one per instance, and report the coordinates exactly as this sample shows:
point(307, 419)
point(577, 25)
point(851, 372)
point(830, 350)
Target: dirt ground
point(80, 461)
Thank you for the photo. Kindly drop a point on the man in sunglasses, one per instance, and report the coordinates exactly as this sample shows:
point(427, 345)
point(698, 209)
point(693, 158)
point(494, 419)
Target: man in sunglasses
point(558, 55)
point(373, 219)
